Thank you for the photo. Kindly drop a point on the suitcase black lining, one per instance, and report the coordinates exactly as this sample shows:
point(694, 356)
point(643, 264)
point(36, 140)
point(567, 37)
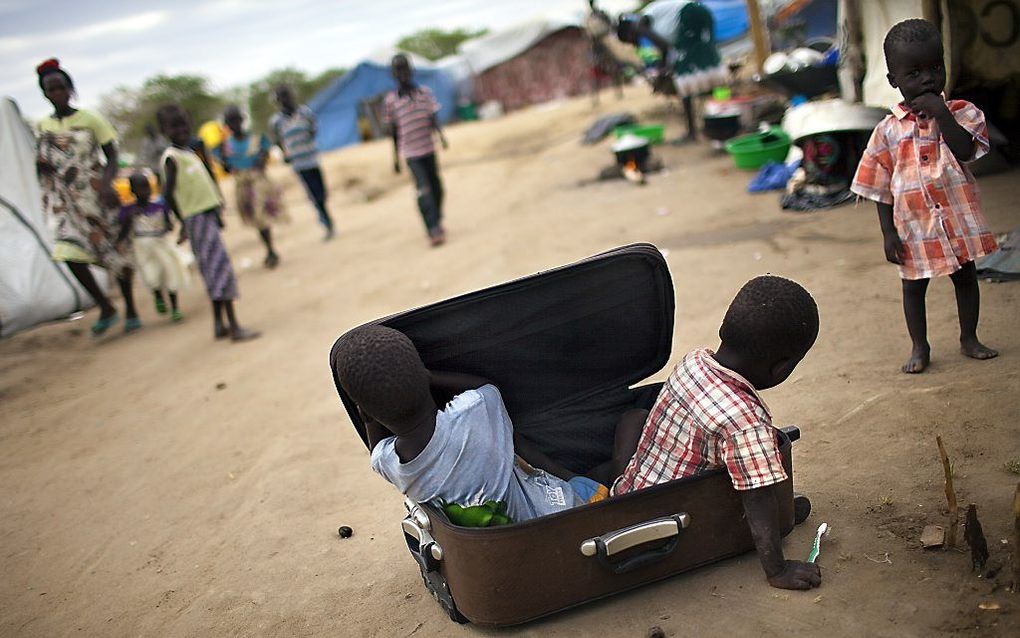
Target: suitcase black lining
point(563, 346)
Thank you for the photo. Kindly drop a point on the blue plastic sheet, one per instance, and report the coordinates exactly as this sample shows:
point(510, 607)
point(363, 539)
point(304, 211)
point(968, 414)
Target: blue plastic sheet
point(336, 106)
point(772, 177)
point(731, 20)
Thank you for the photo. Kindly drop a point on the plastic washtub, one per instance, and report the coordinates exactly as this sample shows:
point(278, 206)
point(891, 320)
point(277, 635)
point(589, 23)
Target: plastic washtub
point(654, 133)
point(750, 152)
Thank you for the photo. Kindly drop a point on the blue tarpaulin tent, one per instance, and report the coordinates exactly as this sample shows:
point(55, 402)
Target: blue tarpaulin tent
point(731, 20)
point(336, 106)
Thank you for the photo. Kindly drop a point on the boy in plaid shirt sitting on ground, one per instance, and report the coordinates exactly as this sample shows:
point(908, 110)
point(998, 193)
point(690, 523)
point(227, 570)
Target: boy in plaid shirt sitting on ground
point(709, 415)
point(928, 204)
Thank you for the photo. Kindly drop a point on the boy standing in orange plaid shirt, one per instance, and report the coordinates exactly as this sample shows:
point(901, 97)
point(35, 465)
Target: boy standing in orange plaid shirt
point(928, 203)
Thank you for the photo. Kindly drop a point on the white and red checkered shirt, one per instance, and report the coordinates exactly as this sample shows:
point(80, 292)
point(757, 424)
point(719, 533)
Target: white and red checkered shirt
point(706, 417)
point(412, 113)
point(936, 207)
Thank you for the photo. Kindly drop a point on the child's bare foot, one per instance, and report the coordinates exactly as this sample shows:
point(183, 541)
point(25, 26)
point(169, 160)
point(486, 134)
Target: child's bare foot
point(918, 361)
point(977, 350)
point(243, 334)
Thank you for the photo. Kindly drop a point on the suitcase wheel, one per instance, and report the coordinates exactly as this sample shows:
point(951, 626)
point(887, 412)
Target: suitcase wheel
point(801, 508)
point(444, 599)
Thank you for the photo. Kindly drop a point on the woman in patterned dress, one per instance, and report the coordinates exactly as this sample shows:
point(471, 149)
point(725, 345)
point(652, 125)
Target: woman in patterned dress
point(78, 195)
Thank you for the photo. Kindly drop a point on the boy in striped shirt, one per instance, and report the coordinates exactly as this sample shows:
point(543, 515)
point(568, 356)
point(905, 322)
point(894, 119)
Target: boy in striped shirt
point(293, 130)
point(411, 112)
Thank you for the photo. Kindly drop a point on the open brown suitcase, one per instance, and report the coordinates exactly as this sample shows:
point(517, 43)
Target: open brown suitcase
point(564, 347)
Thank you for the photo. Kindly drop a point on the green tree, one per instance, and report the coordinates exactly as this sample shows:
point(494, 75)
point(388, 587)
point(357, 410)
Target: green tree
point(433, 44)
point(192, 92)
point(130, 110)
point(261, 104)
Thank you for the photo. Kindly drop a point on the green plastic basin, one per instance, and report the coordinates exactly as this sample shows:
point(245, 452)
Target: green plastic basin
point(751, 152)
point(654, 133)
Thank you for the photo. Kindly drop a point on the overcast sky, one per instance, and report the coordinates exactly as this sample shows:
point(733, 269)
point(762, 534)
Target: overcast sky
point(107, 43)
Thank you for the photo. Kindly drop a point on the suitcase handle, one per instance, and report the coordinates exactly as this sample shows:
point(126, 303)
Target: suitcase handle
point(611, 543)
point(423, 547)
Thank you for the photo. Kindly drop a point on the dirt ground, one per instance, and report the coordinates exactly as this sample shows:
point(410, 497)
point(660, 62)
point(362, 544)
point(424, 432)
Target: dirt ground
point(166, 484)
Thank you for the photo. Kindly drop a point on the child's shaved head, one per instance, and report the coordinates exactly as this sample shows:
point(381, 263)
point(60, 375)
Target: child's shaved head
point(140, 186)
point(381, 370)
point(909, 32)
point(771, 318)
point(137, 179)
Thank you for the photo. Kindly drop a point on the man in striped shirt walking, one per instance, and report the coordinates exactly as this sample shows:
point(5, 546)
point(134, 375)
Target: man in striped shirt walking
point(411, 112)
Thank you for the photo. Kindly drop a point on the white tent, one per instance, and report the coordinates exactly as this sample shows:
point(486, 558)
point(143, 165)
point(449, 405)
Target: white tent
point(876, 19)
point(494, 48)
point(33, 288)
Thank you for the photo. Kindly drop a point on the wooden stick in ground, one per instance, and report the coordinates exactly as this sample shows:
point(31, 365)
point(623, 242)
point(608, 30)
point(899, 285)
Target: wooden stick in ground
point(1016, 540)
point(759, 34)
point(954, 512)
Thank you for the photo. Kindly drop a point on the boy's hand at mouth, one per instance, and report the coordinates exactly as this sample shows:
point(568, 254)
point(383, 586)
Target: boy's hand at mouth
point(929, 104)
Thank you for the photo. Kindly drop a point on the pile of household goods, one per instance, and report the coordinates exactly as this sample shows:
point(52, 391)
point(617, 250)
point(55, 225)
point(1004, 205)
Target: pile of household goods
point(831, 136)
point(809, 70)
point(806, 143)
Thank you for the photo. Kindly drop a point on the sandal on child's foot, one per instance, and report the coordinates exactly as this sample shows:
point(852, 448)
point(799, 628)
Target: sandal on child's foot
point(221, 332)
point(131, 324)
point(160, 306)
point(104, 323)
point(176, 316)
point(272, 260)
point(242, 334)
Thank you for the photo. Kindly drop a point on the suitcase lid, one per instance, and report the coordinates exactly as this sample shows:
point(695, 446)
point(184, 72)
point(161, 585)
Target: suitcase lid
point(553, 337)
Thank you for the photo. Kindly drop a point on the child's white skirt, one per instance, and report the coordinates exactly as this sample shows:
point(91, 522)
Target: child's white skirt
point(160, 264)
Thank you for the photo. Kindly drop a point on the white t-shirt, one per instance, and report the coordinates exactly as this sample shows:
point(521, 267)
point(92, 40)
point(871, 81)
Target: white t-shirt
point(470, 459)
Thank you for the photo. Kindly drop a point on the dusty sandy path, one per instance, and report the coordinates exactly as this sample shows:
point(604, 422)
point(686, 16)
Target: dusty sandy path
point(136, 498)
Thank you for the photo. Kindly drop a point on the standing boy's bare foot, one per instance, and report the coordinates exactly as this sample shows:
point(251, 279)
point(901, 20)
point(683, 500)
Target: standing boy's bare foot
point(977, 350)
point(918, 361)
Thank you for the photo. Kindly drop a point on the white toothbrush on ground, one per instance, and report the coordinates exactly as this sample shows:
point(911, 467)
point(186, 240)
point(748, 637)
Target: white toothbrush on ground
point(823, 530)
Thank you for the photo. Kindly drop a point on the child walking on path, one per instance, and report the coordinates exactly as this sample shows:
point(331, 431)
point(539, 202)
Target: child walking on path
point(411, 111)
point(144, 227)
point(293, 130)
point(244, 156)
point(189, 189)
point(928, 203)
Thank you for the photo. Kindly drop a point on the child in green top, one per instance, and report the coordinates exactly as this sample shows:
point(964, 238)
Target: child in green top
point(191, 192)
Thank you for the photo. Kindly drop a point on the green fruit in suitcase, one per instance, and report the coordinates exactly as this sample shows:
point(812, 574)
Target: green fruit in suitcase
point(477, 516)
point(499, 519)
point(496, 507)
point(454, 512)
point(487, 514)
point(474, 516)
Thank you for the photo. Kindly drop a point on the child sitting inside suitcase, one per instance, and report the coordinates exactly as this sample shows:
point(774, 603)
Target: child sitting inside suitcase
point(709, 415)
point(464, 453)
